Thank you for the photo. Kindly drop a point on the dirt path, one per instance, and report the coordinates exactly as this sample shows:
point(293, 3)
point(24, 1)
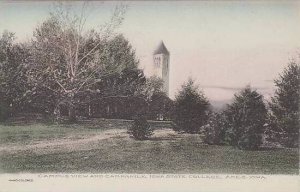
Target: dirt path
point(71, 144)
point(67, 144)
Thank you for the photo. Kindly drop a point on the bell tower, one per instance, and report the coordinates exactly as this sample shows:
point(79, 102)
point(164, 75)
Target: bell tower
point(161, 57)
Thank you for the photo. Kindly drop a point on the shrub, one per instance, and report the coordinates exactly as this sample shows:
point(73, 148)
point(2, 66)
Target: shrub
point(140, 129)
point(214, 131)
point(245, 120)
point(191, 109)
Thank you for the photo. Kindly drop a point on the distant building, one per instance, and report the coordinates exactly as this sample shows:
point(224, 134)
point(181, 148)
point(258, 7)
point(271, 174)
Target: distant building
point(161, 58)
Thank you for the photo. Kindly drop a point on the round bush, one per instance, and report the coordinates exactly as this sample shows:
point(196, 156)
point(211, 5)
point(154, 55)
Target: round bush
point(140, 129)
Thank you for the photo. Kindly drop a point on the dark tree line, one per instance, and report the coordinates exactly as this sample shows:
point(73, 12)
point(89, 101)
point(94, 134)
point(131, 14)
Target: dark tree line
point(25, 89)
point(13, 79)
point(66, 70)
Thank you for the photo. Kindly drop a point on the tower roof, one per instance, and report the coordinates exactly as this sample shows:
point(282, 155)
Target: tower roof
point(161, 49)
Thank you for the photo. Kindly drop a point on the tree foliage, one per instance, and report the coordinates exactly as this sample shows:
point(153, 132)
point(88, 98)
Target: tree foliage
point(153, 85)
point(159, 104)
point(66, 69)
point(13, 79)
point(191, 108)
point(214, 131)
point(245, 119)
point(160, 107)
point(285, 106)
point(69, 64)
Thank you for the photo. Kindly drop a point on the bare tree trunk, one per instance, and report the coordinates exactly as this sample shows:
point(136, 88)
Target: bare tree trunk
point(57, 112)
point(72, 113)
point(90, 111)
point(72, 109)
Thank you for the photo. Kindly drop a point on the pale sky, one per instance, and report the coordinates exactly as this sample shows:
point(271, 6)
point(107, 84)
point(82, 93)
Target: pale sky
point(223, 45)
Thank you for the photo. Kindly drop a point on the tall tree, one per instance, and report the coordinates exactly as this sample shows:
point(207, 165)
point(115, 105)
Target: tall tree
point(285, 105)
point(13, 80)
point(68, 61)
point(191, 108)
point(245, 119)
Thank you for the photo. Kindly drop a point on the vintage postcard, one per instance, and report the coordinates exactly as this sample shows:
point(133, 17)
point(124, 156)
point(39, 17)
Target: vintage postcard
point(149, 95)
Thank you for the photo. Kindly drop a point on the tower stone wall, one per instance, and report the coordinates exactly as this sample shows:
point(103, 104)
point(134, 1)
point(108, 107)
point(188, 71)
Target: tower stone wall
point(161, 62)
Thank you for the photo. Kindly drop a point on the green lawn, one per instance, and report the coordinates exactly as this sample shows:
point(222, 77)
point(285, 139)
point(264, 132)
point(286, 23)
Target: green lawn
point(115, 152)
point(18, 134)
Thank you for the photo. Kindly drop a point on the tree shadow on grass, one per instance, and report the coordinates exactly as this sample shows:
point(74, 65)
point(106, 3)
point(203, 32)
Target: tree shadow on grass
point(169, 137)
point(160, 139)
point(270, 149)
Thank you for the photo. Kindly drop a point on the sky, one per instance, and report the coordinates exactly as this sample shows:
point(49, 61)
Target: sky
point(223, 45)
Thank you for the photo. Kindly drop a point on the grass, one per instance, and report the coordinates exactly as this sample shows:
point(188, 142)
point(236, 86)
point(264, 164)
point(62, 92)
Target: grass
point(164, 153)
